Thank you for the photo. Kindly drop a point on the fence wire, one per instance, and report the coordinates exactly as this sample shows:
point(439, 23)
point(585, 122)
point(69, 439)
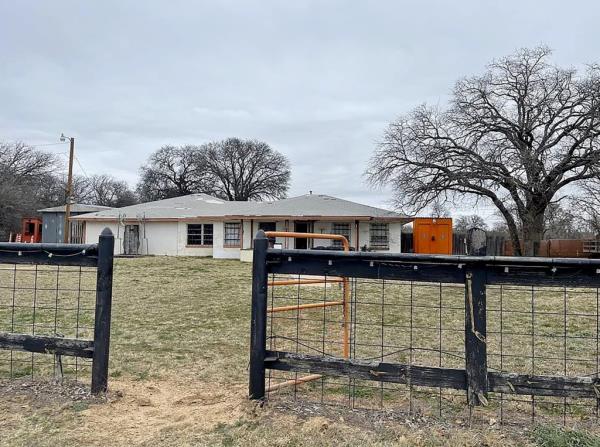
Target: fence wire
point(530, 330)
point(46, 300)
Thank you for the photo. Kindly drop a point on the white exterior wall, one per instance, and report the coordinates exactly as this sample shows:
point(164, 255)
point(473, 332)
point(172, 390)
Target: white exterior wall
point(93, 230)
point(170, 238)
point(322, 227)
point(281, 226)
point(395, 237)
point(161, 238)
point(247, 233)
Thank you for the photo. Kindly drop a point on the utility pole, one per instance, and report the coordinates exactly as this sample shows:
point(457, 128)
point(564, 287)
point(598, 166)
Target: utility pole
point(67, 229)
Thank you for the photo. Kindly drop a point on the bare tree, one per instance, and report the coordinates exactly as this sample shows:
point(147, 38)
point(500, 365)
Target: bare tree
point(171, 172)
point(105, 190)
point(55, 191)
point(517, 136)
point(464, 223)
point(246, 170)
point(586, 207)
point(560, 222)
point(26, 162)
point(25, 176)
point(439, 208)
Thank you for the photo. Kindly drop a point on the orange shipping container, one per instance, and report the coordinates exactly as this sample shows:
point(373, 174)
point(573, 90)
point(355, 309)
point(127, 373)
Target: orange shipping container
point(432, 235)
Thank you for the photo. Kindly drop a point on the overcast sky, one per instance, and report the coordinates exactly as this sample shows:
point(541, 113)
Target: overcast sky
point(318, 80)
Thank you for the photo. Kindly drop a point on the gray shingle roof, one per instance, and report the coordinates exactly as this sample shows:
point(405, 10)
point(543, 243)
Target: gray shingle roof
point(202, 205)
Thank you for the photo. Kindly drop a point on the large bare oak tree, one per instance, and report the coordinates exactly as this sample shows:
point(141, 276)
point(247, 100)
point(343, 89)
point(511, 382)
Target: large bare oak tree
point(246, 170)
point(172, 172)
point(520, 136)
point(232, 169)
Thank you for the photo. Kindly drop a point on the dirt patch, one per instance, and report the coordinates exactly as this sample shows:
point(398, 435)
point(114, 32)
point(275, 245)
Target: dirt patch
point(140, 412)
point(133, 412)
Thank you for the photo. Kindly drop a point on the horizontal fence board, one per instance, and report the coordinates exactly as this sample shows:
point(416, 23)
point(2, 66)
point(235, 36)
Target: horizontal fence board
point(437, 268)
point(367, 370)
point(274, 254)
point(85, 255)
point(562, 277)
point(47, 345)
point(560, 386)
point(355, 268)
point(499, 382)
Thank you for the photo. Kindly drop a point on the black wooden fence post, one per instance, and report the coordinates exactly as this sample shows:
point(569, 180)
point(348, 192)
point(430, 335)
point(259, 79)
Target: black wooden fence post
point(103, 310)
point(258, 325)
point(475, 333)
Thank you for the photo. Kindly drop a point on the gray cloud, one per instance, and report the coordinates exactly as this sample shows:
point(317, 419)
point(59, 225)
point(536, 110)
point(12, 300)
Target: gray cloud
point(317, 80)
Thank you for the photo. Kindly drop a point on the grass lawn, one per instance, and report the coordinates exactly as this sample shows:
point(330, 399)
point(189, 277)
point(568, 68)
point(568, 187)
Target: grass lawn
point(179, 356)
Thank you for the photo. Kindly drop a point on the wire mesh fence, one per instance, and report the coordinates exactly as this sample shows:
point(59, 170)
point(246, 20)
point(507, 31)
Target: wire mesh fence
point(408, 347)
point(46, 300)
point(55, 311)
point(530, 330)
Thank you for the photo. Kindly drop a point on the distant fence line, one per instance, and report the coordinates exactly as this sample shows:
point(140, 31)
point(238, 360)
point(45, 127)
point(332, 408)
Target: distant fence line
point(495, 243)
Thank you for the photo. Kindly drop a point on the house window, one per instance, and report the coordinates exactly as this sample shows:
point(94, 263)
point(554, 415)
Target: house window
point(233, 232)
point(200, 234)
point(342, 229)
point(379, 236)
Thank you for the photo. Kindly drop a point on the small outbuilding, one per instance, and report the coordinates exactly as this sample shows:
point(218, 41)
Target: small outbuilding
point(53, 222)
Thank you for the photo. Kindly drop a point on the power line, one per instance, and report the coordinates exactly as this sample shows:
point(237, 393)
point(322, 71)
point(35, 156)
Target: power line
point(81, 167)
point(45, 144)
point(65, 154)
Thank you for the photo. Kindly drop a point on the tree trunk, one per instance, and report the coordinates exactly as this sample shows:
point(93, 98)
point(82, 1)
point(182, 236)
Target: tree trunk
point(513, 230)
point(533, 231)
point(515, 241)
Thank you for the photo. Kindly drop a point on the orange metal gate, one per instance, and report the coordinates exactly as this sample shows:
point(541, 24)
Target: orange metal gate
point(291, 282)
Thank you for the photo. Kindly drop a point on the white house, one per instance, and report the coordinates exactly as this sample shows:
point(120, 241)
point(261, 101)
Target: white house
point(202, 225)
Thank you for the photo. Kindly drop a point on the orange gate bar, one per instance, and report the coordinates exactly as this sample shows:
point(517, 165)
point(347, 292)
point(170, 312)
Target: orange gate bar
point(344, 303)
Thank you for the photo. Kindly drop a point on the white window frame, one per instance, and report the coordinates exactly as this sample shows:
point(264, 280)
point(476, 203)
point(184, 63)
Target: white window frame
point(379, 241)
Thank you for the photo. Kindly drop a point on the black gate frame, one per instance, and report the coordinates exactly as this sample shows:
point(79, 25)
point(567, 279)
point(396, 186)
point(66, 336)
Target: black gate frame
point(474, 272)
point(99, 255)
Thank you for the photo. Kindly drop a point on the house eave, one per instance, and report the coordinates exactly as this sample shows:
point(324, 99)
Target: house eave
point(400, 219)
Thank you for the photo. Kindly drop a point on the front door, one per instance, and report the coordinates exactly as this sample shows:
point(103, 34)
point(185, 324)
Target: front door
point(131, 240)
point(301, 227)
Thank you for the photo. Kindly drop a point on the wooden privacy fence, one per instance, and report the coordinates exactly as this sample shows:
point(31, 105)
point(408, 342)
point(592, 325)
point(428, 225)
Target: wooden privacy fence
point(494, 244)
point(56, 299)
point(527, 328)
